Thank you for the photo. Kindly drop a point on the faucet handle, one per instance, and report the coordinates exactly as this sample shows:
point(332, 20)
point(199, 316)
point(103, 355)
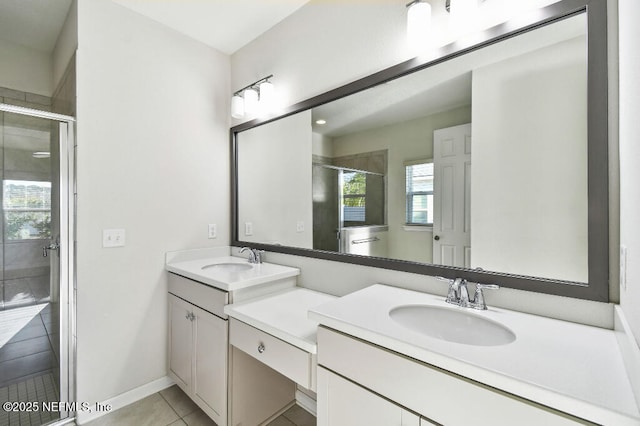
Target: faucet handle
point(478, 298)
point(452, 294)
point(252, 254)
point(258, 255)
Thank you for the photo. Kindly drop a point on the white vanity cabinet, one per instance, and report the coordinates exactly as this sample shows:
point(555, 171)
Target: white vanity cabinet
point(197, 346)
point(345, 403)
point(386, 388)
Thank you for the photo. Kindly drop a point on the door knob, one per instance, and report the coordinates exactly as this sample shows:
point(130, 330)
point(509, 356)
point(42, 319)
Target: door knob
point(437, 238)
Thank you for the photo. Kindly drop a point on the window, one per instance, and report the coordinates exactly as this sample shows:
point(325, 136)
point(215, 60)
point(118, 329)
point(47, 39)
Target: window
point(27, 209)
point(354, 195)
point(419, 184)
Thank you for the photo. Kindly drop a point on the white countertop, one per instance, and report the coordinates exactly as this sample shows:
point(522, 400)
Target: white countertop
point(573, 368)
point(283, 315)
point(226, 279)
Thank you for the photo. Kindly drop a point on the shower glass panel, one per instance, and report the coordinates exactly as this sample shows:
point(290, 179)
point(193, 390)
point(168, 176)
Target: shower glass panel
point(349, 210)
point(30, 351)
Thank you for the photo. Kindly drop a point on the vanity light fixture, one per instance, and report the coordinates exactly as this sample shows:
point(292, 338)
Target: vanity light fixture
point(418, 23)
point(321, 121)
point(255, 98)
point(461, 11)
point(251, 101)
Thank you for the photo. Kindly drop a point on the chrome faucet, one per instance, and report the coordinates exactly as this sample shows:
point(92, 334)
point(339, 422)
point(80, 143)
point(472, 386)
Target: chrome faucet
point(255, 255)
point(458, 293)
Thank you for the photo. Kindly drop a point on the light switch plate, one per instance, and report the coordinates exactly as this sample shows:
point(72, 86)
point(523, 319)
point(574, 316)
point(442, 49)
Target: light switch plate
point(300, 226)
point(623, 267)
point(113, 238)
point(213, 230)
point(248, 228)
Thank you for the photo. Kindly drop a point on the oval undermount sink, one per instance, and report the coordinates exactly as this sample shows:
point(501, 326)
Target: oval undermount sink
point(229, 266)
point(452, 325)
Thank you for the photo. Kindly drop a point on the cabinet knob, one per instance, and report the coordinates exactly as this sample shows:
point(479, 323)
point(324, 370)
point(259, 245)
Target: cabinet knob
point(261, 348)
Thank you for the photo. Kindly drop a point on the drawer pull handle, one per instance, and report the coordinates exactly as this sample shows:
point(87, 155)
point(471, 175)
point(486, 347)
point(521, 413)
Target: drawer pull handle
point(261, 348)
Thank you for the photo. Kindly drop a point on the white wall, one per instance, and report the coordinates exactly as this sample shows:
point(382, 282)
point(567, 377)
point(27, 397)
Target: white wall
point(25, 69)
point(65, 45)
point(152, 158)
point(629, 39)
point(274, 170)
point(533, 219)
point(327, 44)
point(323, 46)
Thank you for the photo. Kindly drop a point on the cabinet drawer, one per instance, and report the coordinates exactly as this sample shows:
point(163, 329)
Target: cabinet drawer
point(206, 297)
point(286, 359)
point(428, 390)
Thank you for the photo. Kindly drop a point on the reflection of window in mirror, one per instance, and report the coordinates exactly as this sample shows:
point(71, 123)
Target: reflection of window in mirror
point(354, 195)
point(419, 189)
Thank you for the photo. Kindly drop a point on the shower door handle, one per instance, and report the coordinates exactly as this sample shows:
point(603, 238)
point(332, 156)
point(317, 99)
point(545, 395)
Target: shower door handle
point(52, 246)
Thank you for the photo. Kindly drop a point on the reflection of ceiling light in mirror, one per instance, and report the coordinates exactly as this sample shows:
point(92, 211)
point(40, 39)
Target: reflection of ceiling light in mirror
point(41, 154)
point(321, 121)
point(418, 24)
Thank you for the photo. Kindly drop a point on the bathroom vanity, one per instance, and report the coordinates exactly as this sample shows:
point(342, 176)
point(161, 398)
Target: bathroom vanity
point(200, 284)
point(273, 331)
point(395, 349)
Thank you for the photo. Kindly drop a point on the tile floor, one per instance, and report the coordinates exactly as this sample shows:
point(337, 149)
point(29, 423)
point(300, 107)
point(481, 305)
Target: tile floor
point(172, 407)
point(40, 388)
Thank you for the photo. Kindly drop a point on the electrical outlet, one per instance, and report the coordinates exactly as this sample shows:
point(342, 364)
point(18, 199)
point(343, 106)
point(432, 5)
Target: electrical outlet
point(300, 226)
point(248, 228)
point(213, 230)
point(113, 238)
point(623, 267)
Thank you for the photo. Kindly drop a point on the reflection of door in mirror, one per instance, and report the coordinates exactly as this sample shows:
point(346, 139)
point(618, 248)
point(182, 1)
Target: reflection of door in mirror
point(452, 193)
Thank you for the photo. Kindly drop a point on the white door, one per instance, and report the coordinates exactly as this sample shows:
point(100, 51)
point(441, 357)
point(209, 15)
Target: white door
point(452, 196)
point(210, 350)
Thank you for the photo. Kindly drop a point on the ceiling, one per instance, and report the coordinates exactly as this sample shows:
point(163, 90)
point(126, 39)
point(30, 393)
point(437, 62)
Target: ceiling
point(33, 23)
point(226, 25)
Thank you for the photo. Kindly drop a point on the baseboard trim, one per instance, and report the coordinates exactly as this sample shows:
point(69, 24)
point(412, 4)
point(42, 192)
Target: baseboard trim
point(629, 350)
point(126, 398)
point(306, 402)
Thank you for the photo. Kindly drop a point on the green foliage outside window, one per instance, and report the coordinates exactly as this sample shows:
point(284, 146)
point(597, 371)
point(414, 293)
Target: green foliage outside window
point(27, 209)
point(354, 189)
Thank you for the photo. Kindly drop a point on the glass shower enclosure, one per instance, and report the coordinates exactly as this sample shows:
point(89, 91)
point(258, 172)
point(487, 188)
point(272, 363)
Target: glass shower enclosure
point(36, 306)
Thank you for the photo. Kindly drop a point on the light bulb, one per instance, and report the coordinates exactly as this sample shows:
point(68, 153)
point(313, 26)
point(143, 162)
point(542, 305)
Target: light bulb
point(267, 97)
point(251, 101)
point(237, 106)
point(462, 12)
point(418, 25)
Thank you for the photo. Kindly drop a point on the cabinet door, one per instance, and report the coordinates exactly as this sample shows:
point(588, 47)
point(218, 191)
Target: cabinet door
point(180, 341)
point(210, 360)
point(344, 403)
